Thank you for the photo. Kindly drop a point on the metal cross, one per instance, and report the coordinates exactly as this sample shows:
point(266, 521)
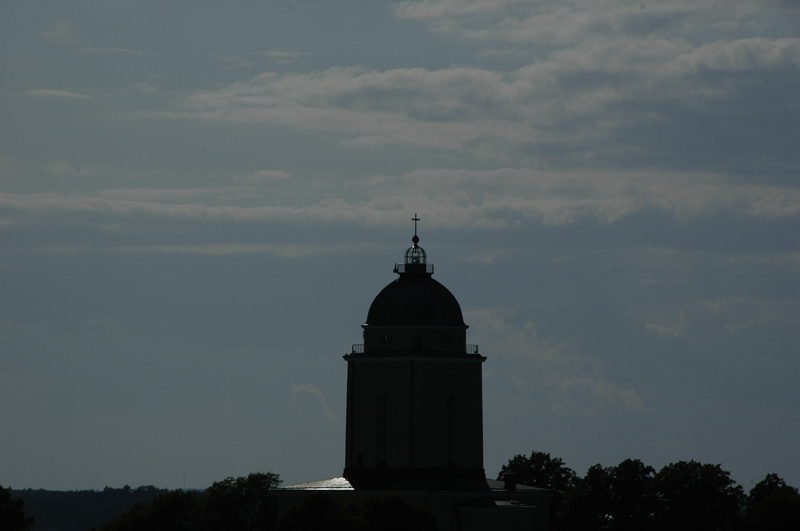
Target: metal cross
point(415, 219)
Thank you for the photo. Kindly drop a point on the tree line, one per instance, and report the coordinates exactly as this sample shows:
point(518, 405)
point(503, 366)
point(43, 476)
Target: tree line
point(686, 495)
point(246, 504)
point(81, 509)
point(233, 504)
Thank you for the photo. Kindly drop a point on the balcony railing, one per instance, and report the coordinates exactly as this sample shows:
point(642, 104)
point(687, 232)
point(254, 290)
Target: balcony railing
point(359, 349)
point(402, 268)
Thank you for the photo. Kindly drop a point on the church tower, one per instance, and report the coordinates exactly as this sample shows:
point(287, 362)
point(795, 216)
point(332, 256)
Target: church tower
point(415, 414)
point(414, 390)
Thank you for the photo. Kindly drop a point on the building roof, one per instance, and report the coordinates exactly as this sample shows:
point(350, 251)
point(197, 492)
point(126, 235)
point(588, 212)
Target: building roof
point(342, 484)
point(415, 299)
point(324, 484)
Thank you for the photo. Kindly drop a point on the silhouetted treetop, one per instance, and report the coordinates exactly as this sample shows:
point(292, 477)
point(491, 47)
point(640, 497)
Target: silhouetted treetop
point(12, 513)
point(233, 504)
point(771, 505)
point(694, 496)
point(539, 470)
point(631, 496)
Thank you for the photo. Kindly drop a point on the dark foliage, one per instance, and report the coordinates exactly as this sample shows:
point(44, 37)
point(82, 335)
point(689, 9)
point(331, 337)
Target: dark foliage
point(620, 498)
point(81, 509)
point(12, 513)
point(541, 470)
point(772, 505)
point(174, 510)
point(323, 511)
point(693, 496)
point(686, 495)
point(233, 504)
point(587, 505)
point(633, 496)
point(241, 504)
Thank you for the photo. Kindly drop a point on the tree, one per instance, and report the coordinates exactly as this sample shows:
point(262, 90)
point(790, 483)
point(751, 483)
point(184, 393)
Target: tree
point(233, 504)
point(633, 497)
point(243, 503)
point(618, 498)
point(323, 510)
point(541, 470)
point(587, 502)
point(172, 511)
point(12, 513)
point(693, 496)
point(772, 504)
point(79, 510)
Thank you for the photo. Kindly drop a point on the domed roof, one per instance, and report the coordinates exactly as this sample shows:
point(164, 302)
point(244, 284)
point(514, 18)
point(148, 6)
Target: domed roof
point(415, 299)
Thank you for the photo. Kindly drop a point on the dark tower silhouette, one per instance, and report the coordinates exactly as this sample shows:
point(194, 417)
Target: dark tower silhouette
point(415, 414)
point(414, 391)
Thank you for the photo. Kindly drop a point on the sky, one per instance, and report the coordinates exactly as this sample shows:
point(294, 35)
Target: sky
point(199, 200)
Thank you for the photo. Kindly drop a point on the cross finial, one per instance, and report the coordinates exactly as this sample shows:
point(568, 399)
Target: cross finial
point(415, 219)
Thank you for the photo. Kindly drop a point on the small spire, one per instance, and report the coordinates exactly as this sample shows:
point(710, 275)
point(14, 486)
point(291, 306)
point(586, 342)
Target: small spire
point(415, 255)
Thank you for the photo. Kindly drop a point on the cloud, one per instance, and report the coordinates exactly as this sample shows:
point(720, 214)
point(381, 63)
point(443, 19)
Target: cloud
point(569, 22)
point(290, 250)
point(742, 349)
point(451, 8)
point(616, 82)
point(494, 53)
point(575, 24)
point(46, 93)
point(487, 199)
point(754, 54)
point(711, 324)
point(299, 391)
point(557, 198)
point(62, 32)
point(284, 57)
point(592, 396)
point(162, 195)
point(580, 106)
point(123, 51)
point(377, 107)
point(556, 374)
point(264, 176)
point(65, 169)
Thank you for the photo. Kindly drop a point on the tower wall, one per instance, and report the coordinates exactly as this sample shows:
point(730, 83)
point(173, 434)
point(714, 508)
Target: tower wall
point(410, 340)
point(413, 417)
